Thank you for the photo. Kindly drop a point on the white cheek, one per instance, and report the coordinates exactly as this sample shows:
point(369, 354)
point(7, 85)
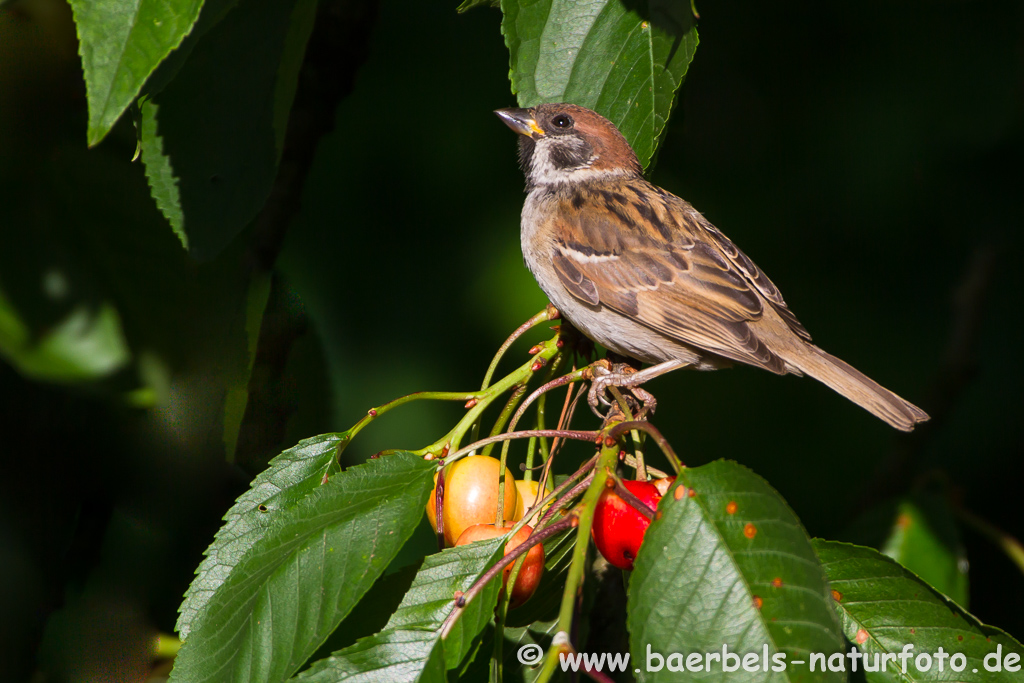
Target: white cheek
point(544, 172)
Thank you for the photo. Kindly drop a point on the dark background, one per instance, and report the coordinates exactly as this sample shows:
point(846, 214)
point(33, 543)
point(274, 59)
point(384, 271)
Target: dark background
point(868, 156)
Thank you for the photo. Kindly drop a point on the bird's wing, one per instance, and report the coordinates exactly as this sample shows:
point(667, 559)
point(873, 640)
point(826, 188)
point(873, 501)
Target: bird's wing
point(680, 279)
point(755, 276)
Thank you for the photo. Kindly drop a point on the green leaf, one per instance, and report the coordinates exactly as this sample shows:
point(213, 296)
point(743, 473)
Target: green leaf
point(288, 587)
point(539, 633)
point(729, 566)
point(624, 63)
point(924, 539)
point(211, 137)
point(85, 345)
point(429, 602)
point(534, 622)
point(213, 11)
point(289, 478)
point(121, 43)
point(400, 656)
point(410, 646)
point(884, 608)
point(372, 612)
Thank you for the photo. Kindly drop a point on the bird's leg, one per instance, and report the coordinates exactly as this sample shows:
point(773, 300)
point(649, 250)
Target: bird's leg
point(617, 377)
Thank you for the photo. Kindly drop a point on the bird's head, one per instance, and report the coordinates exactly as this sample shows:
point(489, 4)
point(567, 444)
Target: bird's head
point(565, 143)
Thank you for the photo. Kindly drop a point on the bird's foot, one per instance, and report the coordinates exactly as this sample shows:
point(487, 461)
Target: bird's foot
point(621, 376)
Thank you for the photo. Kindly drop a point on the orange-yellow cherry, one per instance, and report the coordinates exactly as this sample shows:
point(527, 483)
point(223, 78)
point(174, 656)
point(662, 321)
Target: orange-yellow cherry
point(529, 495)
point(471, 495)
point(533, 566)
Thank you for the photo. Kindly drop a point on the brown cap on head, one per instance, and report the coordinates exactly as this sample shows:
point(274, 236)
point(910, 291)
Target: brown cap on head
point(610, 147)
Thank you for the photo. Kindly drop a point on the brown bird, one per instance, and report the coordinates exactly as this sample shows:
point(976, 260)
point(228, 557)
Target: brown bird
point(641, 272)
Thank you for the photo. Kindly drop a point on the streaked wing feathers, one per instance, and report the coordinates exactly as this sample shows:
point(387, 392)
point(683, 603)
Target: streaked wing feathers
point(702, 292)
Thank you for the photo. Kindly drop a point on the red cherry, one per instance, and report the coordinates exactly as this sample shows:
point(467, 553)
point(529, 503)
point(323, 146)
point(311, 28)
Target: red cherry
point(618, 528)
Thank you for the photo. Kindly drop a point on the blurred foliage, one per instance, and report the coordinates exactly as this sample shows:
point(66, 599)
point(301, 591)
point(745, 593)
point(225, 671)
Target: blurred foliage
point(867, 157)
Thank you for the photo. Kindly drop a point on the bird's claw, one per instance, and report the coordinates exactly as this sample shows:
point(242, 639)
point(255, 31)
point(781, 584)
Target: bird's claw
point(605, 377)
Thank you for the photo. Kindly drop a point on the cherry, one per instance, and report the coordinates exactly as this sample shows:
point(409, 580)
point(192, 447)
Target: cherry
point(663, 485)
point(619, 528)
point(471, 495)
point(528, 497)
point(533, 565)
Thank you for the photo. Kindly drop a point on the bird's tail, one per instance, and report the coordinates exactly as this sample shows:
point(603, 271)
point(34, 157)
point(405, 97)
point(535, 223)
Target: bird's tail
point(859, 388)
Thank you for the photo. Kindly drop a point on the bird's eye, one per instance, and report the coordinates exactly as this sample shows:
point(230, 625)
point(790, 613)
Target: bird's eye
point(561, 121)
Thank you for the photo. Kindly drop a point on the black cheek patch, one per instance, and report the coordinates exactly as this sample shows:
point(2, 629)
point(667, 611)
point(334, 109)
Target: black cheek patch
point(564, 157)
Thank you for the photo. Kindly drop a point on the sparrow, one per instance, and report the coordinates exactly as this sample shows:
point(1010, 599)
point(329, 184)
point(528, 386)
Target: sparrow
point(641, 272)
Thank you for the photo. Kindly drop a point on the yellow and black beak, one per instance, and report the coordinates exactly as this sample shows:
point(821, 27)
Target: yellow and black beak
point(521, 121)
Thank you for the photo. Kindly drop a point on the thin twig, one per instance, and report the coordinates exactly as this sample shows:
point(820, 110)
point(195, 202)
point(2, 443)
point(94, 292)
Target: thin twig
point(655, 434)
point(574, 376)
point(634, 502)
point(524, 434)
point(653, 471)
point(560, 503)
point(535, 538)
point(549, 313)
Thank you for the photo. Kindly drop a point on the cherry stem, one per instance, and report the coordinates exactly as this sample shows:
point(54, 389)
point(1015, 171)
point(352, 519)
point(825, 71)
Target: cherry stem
point(549, 313)
point(564, 420)
point(606, 460)
point(531, 447)
point(537, 393)
point(556, 494)
point(499, 424)
point(565, 417)
point(439, 509)
point(645, 426)
point(526, 433)
point(376, 412)
point(635, 502)
point(574, 376)
point(641, 466)
point(561, 502)
point(535, 538)
point(653, 471)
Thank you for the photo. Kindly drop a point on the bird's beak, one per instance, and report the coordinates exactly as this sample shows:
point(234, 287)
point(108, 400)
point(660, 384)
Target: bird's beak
point(521, 121)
